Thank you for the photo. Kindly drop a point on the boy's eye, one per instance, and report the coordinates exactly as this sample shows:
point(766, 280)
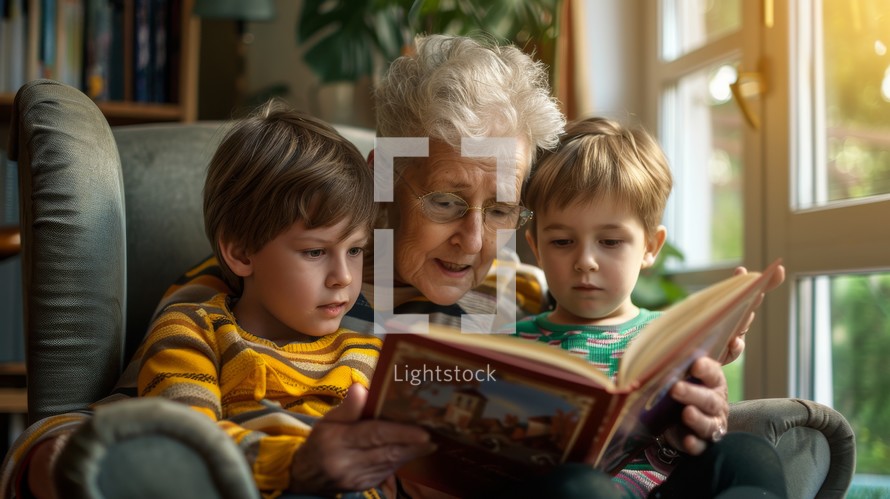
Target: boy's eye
point(559, 243)
point(314, 253)
point(355, 251)
point(611, 243)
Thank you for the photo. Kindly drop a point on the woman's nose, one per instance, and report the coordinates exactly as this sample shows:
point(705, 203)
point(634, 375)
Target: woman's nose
point(470, 232)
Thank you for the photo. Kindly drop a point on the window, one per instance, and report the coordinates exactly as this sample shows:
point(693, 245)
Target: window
point(842, 114)
point(707, 164)
point(843, 343)
point(703, 134)
point(810, 184)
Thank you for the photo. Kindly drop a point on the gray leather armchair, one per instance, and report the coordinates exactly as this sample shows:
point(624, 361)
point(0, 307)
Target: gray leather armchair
point(111, 217)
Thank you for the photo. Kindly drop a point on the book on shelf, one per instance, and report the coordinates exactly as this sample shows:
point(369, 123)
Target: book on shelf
point(70, 42)
point(98, 49)
point(13, 40)
point(117, 50)
point(142, 51)
point(48, 36)
point(502, 408)
point(158, 45)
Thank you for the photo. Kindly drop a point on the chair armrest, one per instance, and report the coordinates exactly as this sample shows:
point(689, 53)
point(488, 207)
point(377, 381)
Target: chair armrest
point(152, 447)
point(815, 442)
point(10, 241)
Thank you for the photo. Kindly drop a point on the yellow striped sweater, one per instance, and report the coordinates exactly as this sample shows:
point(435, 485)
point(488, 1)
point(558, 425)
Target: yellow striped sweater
point(198, 355)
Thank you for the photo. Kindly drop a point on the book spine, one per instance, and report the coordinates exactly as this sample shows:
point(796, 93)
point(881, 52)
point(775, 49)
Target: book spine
point(32, 57)
point(13, 39)
point(174, 49)
point(117, 61)
point(142, 51)
point(98, 49)
point(48, 39)
point(158, 69)
point(5, 46)
point(69, 42)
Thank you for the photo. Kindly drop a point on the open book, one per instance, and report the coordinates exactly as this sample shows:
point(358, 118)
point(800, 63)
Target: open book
point(502, 408)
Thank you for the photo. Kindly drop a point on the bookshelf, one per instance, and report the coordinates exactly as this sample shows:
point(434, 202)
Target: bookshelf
point(181, 77)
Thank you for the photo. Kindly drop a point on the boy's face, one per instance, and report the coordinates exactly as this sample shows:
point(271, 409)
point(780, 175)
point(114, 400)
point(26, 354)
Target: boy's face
point(302, 282)
point(592, 253)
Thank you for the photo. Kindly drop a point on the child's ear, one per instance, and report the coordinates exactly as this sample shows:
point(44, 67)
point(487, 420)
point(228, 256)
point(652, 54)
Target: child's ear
point(236, 258)
point(532, 243)
point(654, 245)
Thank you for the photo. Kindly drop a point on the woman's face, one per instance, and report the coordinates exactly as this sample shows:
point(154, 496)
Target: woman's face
point(445, 260)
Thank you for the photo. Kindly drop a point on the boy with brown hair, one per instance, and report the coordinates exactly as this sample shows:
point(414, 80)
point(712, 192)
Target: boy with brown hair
point(290, 245)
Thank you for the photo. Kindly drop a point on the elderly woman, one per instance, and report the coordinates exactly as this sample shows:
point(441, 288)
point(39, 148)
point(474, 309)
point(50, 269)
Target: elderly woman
point(445, 215)
point(446, 208)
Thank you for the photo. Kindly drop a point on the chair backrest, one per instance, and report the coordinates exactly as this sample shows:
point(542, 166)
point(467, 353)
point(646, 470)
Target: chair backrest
point(109, 219)
point(73, 246)
point(163, 175)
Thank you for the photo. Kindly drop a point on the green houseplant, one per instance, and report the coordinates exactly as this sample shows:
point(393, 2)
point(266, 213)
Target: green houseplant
point(346, 40)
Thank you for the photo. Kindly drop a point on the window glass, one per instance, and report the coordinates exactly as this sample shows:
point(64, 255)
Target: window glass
point(702, 132)
point(844, 344)
point(845, 146)
point(690, 24)
point(735, 379)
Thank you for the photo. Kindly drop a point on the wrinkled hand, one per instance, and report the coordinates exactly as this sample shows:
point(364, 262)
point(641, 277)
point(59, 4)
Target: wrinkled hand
point(737, 344)
point(707, 408)
point(345, 454)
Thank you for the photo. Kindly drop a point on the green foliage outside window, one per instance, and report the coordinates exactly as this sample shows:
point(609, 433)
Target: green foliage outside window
point(860, 311)
point(655, 290)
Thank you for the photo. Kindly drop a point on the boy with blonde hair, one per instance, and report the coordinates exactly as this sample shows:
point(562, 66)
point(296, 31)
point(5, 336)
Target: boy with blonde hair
point(598, 201)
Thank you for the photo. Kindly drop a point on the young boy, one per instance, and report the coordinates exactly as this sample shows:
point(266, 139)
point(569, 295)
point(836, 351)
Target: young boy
point(291, 247)
point(598, 201)
point(592, 239)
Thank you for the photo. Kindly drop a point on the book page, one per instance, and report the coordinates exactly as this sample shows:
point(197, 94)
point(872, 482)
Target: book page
point(649, 409)
point(661, 355)
point(701, 324)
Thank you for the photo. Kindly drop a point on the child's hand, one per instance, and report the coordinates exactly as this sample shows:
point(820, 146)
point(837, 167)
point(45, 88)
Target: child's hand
point(737, 344)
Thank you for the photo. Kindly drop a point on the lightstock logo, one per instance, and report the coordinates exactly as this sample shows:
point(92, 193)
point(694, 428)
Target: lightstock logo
point(503, 319)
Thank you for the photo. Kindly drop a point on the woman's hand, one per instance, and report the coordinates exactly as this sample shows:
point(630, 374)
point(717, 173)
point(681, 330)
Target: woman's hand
point(345, 454)
point(737, 344)
point(706, 413)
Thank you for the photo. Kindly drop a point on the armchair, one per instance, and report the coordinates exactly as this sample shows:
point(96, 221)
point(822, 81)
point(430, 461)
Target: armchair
point(111, 217)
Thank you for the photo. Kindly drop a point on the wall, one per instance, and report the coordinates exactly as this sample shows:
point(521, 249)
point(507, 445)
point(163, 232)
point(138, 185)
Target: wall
point(273, 58)
point(612, 32)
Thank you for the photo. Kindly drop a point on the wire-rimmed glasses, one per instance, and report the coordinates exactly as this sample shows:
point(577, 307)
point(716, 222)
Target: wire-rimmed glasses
point(444, 207)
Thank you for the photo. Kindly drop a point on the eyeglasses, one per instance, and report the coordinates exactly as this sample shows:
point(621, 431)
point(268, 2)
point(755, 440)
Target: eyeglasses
point(444, 207)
